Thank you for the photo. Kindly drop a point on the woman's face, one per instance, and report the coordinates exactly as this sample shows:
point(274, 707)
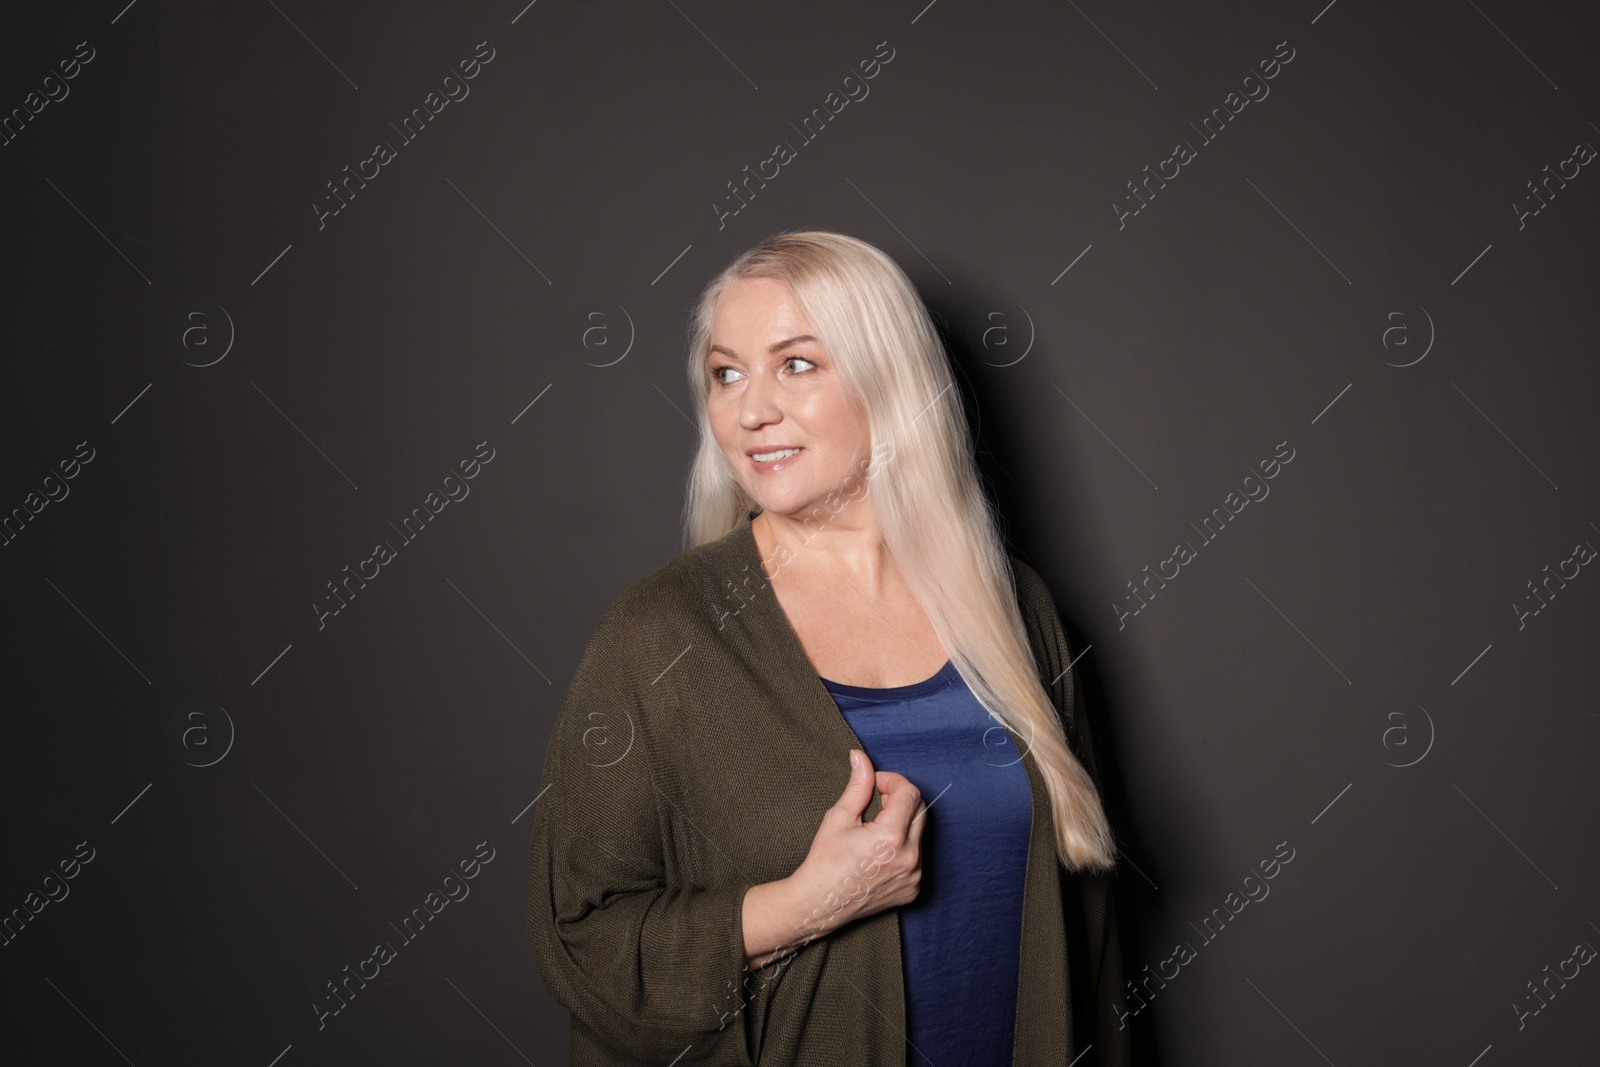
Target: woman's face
point(775, 389)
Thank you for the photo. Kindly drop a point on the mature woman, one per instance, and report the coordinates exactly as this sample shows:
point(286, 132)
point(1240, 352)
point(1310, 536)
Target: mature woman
point(822, 791)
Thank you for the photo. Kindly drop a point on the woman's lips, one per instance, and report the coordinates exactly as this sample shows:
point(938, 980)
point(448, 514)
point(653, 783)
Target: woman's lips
point(777, 464)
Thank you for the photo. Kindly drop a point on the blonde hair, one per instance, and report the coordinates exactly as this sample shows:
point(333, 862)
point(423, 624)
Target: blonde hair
point(935, 519)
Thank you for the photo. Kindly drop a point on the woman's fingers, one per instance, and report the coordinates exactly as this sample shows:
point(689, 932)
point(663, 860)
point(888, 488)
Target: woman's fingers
point(858, 790)
point(894, 782)
point(901, 799)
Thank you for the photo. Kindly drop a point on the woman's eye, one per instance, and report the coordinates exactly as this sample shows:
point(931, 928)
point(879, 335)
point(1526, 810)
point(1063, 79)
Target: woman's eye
point(716, 374)
point(801, 359)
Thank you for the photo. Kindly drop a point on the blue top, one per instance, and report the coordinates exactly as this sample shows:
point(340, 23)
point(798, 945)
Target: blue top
point(962, 936)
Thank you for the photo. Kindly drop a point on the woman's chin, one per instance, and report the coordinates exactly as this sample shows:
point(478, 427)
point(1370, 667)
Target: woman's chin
point(814, 513)
point(786, 507)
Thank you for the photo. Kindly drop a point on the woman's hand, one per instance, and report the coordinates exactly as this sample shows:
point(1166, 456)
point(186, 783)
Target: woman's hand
point(854, 869)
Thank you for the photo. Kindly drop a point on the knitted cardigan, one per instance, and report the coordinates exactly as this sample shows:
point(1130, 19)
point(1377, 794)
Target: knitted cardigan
point(692, 758)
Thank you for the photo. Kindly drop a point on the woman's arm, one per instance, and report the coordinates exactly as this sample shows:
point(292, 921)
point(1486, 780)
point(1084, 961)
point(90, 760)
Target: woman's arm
point(771, 926)
point(651, 964)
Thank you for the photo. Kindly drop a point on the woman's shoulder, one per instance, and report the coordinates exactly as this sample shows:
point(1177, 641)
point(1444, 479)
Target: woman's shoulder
point(1033, 595)
point(1040, 618)
point(651, 624)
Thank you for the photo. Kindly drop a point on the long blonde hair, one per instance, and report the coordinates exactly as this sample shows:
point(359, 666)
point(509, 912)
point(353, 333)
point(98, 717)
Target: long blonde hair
point(936, 522)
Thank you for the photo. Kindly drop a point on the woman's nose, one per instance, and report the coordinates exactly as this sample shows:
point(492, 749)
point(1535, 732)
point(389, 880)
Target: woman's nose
point(758, 406)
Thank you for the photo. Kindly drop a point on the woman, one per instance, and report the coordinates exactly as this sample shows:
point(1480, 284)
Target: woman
point(784, 820)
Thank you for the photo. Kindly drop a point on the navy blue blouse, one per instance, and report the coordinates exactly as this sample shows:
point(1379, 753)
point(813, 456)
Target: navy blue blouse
point(961, 937)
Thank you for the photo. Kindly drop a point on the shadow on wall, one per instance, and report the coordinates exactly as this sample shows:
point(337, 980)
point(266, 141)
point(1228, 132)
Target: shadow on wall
point(961, 312)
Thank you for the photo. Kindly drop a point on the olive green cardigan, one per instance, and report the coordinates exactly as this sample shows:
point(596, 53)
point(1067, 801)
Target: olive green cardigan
point(693, 757)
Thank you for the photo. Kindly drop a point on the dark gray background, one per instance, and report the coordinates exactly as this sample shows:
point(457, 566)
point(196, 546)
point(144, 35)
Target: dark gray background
point(1361, 616)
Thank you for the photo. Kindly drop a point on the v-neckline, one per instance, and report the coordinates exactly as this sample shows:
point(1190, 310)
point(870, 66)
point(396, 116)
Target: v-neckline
point(778, 620)
point(745, 536)
point(748, 547)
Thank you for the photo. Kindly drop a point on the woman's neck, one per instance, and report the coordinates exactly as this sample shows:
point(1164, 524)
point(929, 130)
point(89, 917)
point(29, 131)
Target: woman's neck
point(850, 545)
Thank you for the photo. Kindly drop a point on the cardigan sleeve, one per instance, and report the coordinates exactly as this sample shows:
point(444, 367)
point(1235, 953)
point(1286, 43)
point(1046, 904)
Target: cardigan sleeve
point(646, 963)
point(1097, 980)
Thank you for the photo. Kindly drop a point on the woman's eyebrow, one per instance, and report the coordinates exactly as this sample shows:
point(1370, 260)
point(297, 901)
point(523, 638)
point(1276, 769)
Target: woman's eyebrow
point(779, 346)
